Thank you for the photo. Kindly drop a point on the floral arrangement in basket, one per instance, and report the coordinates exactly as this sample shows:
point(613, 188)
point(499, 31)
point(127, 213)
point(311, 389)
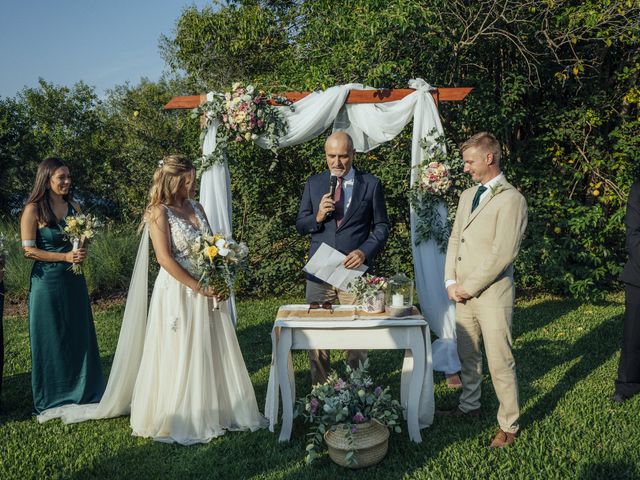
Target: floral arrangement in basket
point(218, 259)
point(367, 286)
point(79, 229)
point(346, 404)
point(243, 114)
point(439, 182)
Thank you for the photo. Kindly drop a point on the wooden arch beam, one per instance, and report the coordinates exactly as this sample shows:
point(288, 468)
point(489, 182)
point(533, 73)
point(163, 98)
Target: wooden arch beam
point(355, 96)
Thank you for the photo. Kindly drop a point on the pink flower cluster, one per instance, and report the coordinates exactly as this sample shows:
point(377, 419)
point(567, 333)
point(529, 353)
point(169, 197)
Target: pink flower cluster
point(435, 178)
point(359, 418)
point(243, 112)
point(340, 385)
point(314, 405)
point(380, 281)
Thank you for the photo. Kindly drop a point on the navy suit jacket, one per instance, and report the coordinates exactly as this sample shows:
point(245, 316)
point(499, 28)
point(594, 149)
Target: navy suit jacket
point(365, 225)
point(631, 272)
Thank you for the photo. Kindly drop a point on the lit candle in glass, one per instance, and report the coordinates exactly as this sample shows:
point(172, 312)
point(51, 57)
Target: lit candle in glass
point(397, 300)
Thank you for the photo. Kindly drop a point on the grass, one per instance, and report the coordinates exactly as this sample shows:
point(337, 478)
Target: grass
point(566, 354)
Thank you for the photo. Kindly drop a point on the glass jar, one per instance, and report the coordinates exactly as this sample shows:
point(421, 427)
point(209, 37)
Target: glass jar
point(400, 291)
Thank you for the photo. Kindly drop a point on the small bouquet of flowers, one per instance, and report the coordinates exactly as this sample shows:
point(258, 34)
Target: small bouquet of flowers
point(434, 178)
point(79, 229)
point(369, 292)
point(217, 260)
point(367, 286)
point(346, 404)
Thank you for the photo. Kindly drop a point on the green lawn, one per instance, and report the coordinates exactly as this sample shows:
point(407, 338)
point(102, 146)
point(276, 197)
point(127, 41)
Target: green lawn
point(566, 354)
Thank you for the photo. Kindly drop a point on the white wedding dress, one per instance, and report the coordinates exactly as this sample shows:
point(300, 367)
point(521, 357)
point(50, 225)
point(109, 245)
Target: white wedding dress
point(182, 376)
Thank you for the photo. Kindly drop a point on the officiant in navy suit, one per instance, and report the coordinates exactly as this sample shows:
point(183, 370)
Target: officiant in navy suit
point(353, 220)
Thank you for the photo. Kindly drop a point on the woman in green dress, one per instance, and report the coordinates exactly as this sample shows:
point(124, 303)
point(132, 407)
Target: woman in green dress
point(65, 363)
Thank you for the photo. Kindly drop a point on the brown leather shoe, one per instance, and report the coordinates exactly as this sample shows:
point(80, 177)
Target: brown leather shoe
point(503, 439)
point(456, 412)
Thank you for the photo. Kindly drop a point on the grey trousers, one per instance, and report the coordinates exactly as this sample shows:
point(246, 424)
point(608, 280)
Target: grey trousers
point(319, 359)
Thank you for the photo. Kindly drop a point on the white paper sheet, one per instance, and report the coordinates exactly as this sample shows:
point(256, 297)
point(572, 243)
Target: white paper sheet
point(326, 264)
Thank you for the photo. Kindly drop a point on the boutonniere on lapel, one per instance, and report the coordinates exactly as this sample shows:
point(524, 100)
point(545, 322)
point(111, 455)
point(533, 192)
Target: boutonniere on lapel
point(496, 189)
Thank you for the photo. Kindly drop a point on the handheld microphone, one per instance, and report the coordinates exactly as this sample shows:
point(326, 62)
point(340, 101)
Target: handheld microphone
point(333, 183)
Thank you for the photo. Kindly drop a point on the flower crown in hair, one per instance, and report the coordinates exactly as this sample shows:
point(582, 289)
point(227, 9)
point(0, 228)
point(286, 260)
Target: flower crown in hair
point(160, 163)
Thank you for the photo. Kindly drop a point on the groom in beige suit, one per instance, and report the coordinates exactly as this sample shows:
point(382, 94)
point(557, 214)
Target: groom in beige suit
point(489, 225)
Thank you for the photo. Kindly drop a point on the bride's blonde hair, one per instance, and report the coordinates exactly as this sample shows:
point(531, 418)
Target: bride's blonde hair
point(168, 179)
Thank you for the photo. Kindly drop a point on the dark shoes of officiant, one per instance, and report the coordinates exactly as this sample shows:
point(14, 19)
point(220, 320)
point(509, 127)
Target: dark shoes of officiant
point(618, 398)
point(456, 412)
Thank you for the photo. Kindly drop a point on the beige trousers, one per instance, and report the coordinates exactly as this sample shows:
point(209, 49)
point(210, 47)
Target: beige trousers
point(319, 359)
point(493, 324)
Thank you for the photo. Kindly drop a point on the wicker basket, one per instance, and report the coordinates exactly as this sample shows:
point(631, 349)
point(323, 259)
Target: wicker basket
point(371, 442)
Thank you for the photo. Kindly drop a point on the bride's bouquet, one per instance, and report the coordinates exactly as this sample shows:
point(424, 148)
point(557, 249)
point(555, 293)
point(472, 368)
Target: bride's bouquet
point(79, 229)
point(217, 259)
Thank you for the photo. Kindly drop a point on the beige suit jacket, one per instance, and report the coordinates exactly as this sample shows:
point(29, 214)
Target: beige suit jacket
point(483, 244)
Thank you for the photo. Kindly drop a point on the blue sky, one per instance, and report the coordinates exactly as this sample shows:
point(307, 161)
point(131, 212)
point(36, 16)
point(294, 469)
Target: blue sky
point(101, 42)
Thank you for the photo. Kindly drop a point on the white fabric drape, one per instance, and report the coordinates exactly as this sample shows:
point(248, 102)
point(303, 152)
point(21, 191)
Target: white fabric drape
point(215, 197)
point(369, 125)
point(116, 400)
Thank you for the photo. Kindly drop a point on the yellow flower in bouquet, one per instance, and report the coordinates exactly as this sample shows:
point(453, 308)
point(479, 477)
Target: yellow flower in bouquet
point(211, 251)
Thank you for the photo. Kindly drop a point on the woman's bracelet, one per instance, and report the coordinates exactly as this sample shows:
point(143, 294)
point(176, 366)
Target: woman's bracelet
point(28, 243)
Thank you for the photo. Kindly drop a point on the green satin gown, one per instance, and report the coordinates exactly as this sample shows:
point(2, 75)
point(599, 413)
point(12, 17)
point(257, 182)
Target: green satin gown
point(64, 350)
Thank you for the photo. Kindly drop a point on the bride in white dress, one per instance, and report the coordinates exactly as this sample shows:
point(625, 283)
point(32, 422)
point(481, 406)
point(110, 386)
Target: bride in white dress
point(181, 373)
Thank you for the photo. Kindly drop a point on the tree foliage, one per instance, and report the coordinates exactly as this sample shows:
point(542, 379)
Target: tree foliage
point(555, 80)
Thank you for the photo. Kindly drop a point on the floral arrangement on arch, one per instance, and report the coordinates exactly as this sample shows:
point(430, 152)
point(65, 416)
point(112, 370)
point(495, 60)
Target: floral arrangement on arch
point(434, 178)
point(367, 286)
point(243, 114)
point(440, 181)
point(346, 404)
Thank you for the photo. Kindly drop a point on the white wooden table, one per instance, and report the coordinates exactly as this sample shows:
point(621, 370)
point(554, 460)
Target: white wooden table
point(359, 332)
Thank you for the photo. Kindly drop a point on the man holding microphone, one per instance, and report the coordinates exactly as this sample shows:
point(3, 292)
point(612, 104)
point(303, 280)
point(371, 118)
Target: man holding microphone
point(345, 209)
